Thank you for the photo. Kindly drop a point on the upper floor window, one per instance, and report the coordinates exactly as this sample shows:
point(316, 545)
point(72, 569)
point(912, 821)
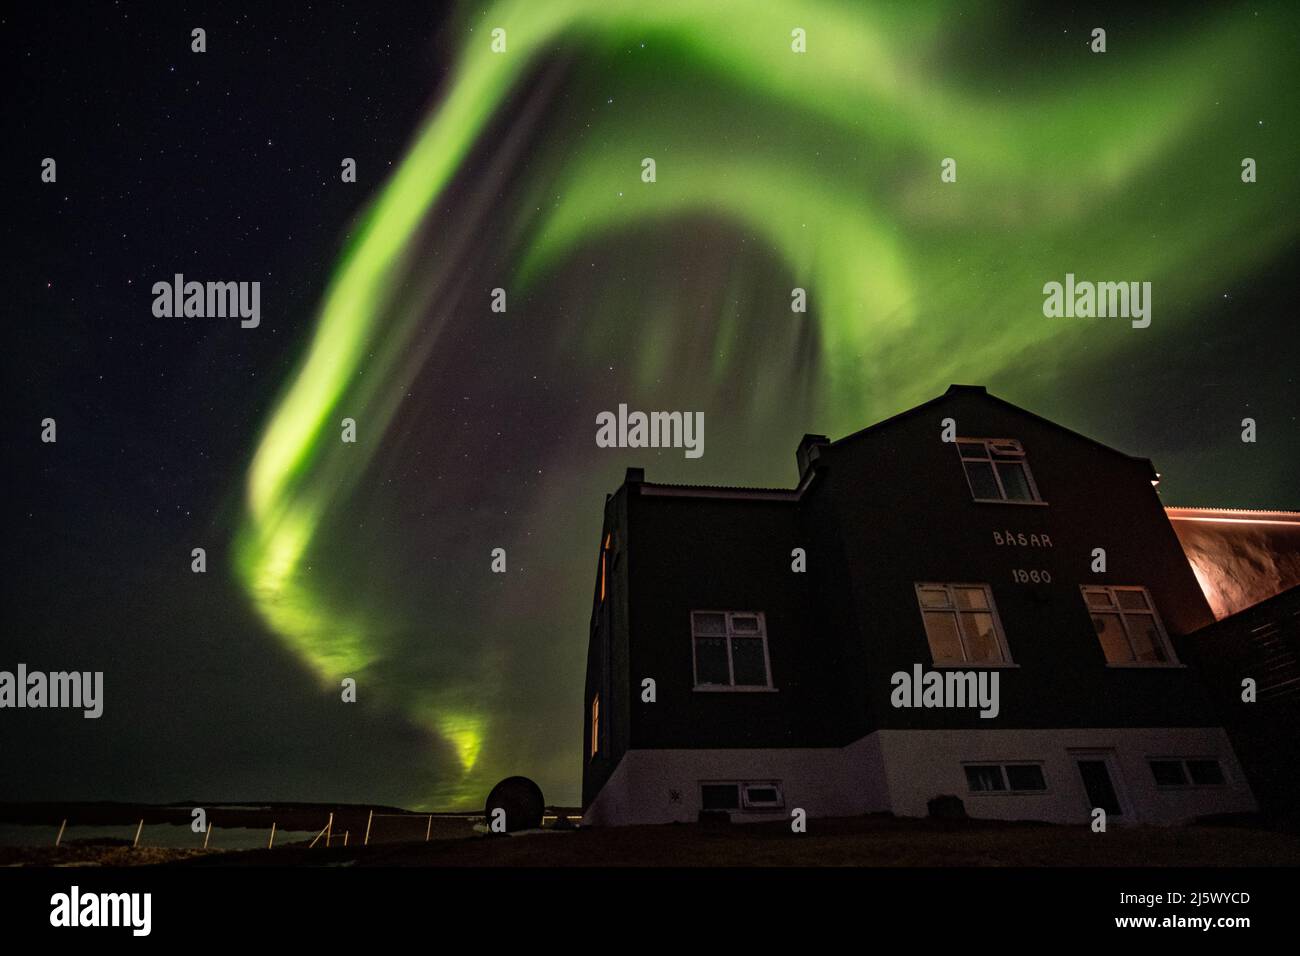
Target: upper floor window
point(962, 624)
point(730, 650)
point(1127, 625)
point(604, 562)
point(996, 470)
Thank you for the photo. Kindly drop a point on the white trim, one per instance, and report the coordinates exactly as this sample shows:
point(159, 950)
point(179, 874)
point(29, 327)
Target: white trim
point(1011, 450)
point(956, 611)
point(1122, 613)
point(1188, 783)
point(729, 636)
point(1007, 789)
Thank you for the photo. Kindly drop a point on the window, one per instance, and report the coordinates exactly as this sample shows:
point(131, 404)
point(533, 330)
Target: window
point(763, 796)
point(595, 725)
point(730, 650)
point(1005, 778)
point(720, 796)
point(996, 470)
point(962, 624)
point(1192, 772)
point(604, 560)
point(1127, 625)
point(753, 795)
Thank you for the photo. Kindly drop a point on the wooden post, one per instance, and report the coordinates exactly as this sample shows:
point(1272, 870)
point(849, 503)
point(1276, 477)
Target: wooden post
point(207, 832)
point(369, 820)
point(329, 828)
point(271, 843)
point(136, 842)
point(345, 837)
point(428, 828)
point(62, 826)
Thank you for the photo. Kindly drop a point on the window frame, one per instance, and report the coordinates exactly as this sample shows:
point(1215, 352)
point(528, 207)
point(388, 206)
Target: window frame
point(1116, 610)
point(1016, 453)
point(952, 608)
point(1188, 783)
point(731, 687)
point(743, 804)
point(595, 727)
point(1002, 766)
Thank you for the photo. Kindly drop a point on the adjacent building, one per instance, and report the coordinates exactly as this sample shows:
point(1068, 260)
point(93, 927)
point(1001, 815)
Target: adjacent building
point(747, 645)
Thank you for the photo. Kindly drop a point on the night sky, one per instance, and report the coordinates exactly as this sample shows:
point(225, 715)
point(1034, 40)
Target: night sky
point(475, 429)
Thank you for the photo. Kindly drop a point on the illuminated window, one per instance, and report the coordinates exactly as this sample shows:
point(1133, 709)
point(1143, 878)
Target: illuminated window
point(604, 554)
point(996, 470)
point(1127, 625)
point(595, 725)
point(730, 650)
point(962, 624)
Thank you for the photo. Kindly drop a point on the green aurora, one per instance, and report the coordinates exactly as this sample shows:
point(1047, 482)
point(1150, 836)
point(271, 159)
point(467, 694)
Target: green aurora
point(1124, 165)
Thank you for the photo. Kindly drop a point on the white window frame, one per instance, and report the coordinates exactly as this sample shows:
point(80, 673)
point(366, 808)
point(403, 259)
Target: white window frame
point(732, 686)
point(743, 803)
point(1114, 610)
point(1001, 766)
point(995, 450)
point(760, 807)
point(1188, 783)
point(955, 611)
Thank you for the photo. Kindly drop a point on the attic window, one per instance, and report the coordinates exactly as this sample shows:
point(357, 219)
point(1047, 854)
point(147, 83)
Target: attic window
point(996, 470)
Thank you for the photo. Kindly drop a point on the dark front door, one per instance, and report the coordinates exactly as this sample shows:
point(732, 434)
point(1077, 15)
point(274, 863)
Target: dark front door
point(1101, 792)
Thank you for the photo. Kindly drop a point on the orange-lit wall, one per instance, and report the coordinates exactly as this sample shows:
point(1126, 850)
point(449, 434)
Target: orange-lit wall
point(1240, 557)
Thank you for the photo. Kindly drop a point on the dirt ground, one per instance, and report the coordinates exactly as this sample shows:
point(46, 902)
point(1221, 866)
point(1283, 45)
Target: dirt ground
point(874, 841)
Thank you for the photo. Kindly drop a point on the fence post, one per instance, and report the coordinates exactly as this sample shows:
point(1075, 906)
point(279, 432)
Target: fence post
point(369, 820)
point(428, 828)
point(62, 826)
point(271, 842)
point(140, 826)
point(345, 837)
point(329, 829)
point(207, 832)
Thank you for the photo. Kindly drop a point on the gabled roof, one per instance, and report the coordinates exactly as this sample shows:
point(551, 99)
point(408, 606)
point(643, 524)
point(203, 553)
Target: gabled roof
point(981, 391)
point(714, 491)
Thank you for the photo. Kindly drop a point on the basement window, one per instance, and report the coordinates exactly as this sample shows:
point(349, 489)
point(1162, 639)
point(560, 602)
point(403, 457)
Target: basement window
point(1176, 773)
point(738, 795)
point(1005, 778)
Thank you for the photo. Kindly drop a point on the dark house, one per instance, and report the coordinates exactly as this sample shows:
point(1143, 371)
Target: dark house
point(761, 650)
point(1259, 645)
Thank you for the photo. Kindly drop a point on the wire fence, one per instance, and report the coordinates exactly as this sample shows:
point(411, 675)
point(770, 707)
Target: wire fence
point(338, 829)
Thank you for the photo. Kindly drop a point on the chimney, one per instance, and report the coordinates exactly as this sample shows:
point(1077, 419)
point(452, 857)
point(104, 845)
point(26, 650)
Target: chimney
point(808, 452)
